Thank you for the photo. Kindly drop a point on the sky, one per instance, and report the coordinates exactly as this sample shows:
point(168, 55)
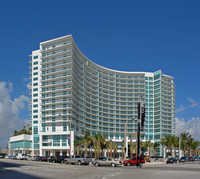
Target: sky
point(133, 35)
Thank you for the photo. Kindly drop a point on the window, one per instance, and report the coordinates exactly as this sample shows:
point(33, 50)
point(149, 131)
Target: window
point(36, 73)
point(35, 100)
point(35, 89)
point(53, 127)
point(35, 111)
point(64, 140)
point(35, 122)
point(34, 79)
point(35, 94)
point(35, 130)
point(35, 63)
point(35, 105)
point(35, 116)
point(56, 140)
point(35, 57)
point(35, 84)
point(35, 68)
point(64, 126)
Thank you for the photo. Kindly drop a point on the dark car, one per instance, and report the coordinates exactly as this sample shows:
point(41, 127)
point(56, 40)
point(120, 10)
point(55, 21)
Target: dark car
point(184, 159)
point(41, 158)
point(171, 160)
point(51, 159)
point(60, 159)
point(191, 159)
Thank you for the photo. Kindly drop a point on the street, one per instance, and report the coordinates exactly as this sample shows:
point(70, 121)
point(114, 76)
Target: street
point(41, 170)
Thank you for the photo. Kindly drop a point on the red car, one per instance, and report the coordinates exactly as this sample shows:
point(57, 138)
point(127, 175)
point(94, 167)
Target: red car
point(133, 161)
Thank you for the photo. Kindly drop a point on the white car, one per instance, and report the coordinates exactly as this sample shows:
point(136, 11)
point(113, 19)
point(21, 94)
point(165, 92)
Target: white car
point(21, 157)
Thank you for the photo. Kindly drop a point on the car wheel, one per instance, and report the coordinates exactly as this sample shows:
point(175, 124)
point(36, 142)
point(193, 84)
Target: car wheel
point(128, 164)
point(65, 162)
point(96, 164)
point(62, 161)
point(113, 165)
point(79, 162)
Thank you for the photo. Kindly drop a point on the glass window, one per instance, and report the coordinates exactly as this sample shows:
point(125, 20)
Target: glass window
point(35, 129)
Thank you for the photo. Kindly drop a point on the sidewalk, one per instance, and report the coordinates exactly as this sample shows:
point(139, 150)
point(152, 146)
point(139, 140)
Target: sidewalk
point(155, 163)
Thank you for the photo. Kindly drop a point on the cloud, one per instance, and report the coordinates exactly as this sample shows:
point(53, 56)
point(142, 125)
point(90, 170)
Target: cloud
point(192, 126)
point(193, 105)
point(181, 108)
point(9, 111)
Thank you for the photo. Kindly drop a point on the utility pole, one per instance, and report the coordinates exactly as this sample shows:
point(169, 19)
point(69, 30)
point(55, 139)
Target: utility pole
point(138, 135)
point(125, 143)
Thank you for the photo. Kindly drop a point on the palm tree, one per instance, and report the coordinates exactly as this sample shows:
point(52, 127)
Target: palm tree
point(163, 143)
point(114, 148)
point(123, 145)
point(110, 148)
point(155, 145)
point(107, 148)
point(77, 144)
point(86, 141)
point(184, 138)
point(131, 148)
point(194, 146)
point(148, 145)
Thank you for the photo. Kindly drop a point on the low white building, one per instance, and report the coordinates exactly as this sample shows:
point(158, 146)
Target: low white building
point(20, 144)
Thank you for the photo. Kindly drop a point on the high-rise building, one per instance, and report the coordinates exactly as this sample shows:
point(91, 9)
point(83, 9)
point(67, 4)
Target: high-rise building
point(72, 95)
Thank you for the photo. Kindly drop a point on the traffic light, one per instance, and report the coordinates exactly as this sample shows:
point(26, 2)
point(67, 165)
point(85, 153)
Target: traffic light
point(142, 115)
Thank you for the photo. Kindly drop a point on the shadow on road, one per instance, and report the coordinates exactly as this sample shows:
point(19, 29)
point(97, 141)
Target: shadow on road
point(9, 174)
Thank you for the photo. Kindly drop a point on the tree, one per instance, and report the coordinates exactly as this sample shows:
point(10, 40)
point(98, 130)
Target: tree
point(86, 142)
point(131, 148)
point(114, 149)
point(155, 145)
point(123, 145)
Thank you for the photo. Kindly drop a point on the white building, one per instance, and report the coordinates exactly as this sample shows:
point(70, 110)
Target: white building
point(20, 144)
point(72, 95)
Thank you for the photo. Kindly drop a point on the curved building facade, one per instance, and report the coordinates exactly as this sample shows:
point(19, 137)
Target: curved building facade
point(72, 95)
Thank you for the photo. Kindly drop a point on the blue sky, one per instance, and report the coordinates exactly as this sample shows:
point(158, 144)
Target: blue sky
point(122, 35)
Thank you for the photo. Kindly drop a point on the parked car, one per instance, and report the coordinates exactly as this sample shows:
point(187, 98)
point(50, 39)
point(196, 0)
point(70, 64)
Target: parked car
point(191, 159)
point(60, 159)
point(196, 158)
point(41, 158)
point(2, 155)
point(8, 156)
point(51, 159)
point(14, 157)
point(184, 159)
point(106, 162)
point(22, 157)
point(94, 160)
point(76, 159)
point(32, 158)
point(133, 161)
point(171, 160)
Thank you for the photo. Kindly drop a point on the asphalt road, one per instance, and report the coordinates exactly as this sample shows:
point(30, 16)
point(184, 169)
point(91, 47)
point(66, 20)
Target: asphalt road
point(10, 169)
